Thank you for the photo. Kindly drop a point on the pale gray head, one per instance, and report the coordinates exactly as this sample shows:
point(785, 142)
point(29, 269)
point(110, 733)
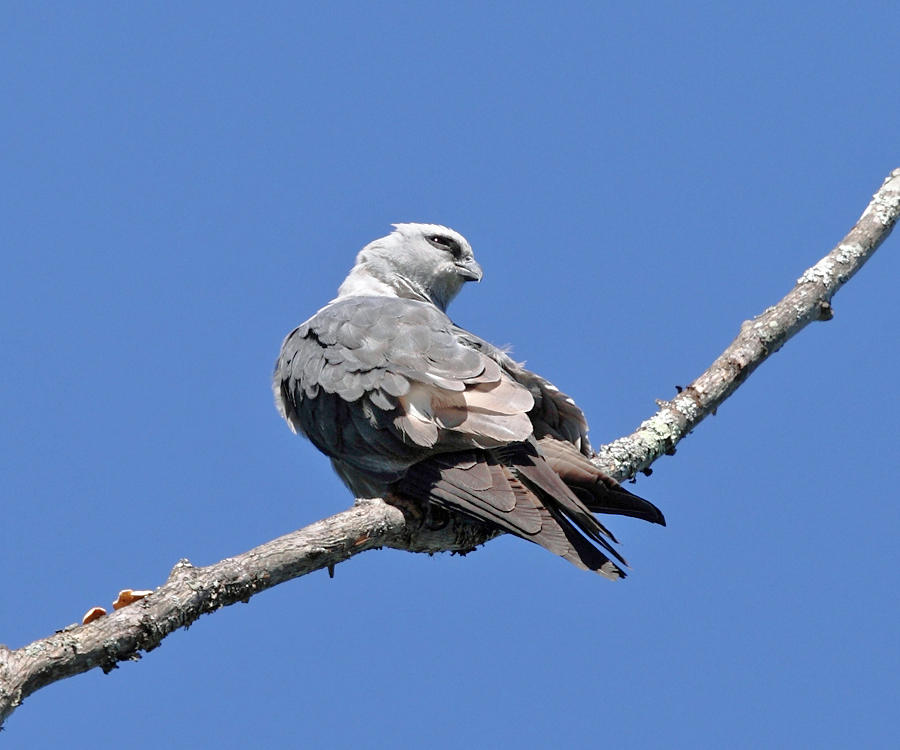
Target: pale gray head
point(416, 261)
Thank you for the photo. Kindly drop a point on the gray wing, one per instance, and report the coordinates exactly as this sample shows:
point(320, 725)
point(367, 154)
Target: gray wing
point(554, 414)
point(381, 383)
point(560, 429)
point(405, 404)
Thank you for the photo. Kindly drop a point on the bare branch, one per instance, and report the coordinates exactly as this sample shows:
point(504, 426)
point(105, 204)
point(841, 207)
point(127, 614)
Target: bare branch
point(809, 300)
point(192, 591)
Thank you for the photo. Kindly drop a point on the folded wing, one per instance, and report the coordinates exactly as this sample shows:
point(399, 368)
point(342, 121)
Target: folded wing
point(405, 402)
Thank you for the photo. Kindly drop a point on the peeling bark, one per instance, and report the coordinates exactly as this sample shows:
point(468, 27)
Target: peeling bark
point(192, 591)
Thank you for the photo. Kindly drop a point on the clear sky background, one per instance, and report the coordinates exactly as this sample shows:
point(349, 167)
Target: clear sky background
point(184, 183)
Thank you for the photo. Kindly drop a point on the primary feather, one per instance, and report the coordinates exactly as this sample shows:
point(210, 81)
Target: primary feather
point(408, 404)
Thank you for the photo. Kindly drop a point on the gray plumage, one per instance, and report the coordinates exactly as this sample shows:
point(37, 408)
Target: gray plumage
point(407, 404)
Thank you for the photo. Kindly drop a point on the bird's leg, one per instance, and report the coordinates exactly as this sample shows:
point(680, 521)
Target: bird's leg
point(420, 513)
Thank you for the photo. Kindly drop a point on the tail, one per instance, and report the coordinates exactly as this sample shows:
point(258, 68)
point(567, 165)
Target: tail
point(514, 489)
point(599, 492)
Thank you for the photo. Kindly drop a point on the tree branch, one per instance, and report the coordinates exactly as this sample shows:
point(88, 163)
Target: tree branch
point(192, 591)
point(809, 300)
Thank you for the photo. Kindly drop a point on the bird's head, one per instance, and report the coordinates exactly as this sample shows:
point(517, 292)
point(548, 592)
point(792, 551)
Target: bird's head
point(417, 261)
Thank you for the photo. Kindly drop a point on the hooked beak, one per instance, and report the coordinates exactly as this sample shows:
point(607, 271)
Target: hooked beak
point(469, 270)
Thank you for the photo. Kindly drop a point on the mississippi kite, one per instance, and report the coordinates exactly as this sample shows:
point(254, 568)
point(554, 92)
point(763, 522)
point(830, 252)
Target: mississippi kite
point(407, 404)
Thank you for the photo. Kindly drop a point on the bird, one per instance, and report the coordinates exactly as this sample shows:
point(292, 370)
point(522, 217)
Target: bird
point(409, 406)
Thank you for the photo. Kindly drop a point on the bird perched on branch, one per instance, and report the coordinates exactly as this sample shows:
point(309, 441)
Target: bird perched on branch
point(408, 405)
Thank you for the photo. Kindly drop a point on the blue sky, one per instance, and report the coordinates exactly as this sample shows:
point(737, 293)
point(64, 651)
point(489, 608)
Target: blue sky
point(185, 183)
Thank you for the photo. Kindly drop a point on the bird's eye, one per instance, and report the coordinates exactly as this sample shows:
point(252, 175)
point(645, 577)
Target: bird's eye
point(441, 242)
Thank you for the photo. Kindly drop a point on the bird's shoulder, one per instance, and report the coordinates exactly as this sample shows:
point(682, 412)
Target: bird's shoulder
point(362, 334)
point(376, 347)
point(350, 322)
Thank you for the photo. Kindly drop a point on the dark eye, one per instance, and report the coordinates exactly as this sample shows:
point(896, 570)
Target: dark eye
point(442, 242)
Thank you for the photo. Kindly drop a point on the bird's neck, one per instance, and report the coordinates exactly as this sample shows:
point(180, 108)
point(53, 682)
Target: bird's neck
point(360, 282)
point(365, 280)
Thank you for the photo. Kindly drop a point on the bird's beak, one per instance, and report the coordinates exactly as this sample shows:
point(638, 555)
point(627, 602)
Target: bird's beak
point(469, 270)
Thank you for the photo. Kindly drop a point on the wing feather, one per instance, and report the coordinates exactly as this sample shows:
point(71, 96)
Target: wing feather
point(599, 493)
point(496, 490)
point(407, 403)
